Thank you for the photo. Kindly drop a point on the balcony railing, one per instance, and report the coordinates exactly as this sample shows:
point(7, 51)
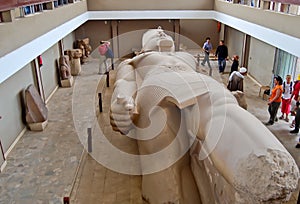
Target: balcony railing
point(12, 9)
point(281, 6)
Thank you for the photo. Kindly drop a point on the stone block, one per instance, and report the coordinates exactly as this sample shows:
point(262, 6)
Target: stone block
point(38, 126)
point(67, 82)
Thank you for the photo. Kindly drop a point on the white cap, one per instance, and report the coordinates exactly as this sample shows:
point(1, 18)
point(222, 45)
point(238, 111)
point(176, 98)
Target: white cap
point(243, 70)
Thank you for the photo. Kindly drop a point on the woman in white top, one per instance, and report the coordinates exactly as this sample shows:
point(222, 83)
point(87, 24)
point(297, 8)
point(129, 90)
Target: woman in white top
point(286, 95)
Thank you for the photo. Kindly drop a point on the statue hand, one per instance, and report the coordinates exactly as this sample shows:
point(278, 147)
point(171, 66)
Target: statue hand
point(122, 113)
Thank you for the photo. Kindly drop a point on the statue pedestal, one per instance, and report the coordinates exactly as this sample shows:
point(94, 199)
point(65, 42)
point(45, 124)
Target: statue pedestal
point(38, 126)
point(67, 82)
point(75, 66)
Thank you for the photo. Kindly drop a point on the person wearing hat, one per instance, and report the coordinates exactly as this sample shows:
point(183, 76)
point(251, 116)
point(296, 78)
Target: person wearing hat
point(275, 100)
point(236, 80)
point(106, 53)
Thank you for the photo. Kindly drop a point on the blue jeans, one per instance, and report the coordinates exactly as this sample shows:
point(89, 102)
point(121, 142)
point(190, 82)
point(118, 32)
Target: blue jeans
point(222, 64)
point(206, 59)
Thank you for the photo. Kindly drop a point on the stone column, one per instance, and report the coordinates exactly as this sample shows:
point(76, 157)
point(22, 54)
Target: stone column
point(114, 31)
point(177, 34)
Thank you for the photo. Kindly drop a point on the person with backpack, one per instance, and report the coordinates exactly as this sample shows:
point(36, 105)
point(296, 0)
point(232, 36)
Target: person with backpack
point(286, 96)
point(106, 52)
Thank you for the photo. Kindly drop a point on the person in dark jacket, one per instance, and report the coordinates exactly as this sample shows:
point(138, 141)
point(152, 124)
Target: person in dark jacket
point(222, 54)
point(235, 64)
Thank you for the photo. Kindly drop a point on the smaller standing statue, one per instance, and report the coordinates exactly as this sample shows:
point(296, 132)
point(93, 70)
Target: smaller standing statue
point(36, 110)
point(74, 59)
point(65, 71)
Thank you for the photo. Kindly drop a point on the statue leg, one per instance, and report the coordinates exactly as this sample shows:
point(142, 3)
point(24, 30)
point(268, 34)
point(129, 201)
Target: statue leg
point(174, 184)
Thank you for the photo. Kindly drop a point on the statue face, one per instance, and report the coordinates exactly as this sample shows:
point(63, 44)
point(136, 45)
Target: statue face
point(77, 54)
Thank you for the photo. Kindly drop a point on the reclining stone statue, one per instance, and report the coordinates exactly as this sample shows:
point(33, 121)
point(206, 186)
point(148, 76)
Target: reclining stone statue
point(207, 148)
point(157, 39)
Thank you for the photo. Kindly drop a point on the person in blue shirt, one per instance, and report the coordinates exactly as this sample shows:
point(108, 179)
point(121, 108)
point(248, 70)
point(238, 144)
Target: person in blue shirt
point(207, 47)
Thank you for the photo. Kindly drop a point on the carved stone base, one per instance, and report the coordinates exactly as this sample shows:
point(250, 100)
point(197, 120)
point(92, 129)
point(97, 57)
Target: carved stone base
point(38, 126)
point(67, 82)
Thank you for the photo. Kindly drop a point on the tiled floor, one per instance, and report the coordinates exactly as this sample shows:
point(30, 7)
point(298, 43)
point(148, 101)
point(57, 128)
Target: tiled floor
point(44, 166)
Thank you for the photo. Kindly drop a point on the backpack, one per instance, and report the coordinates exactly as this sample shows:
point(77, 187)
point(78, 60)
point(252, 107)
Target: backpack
point(102, 49)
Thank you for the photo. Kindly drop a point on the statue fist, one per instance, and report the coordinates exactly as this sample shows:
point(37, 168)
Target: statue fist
point(121, 114)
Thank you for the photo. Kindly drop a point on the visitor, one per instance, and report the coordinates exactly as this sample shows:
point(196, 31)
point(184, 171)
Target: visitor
point(222, 54)
point(286, 98)
point(207, 47)
point(235, 64)
point(107, 53)
point(275, 100)
point(236, 80)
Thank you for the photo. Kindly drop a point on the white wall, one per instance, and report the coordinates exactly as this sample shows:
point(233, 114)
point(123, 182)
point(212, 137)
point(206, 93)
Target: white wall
point(261, 61)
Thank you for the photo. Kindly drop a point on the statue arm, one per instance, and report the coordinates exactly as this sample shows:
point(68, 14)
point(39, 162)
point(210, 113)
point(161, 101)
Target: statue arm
point(242, 149)
point(123, 107)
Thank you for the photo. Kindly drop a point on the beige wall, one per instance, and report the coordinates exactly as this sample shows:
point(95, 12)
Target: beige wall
point(261, 61)
point(95, 31)
point(129, 33)
point(284, 23)
point(49, 70)
point(193, 32)
point(23, 30)
point(198, 30)
point(234, 40)
point(98, 5)
point(68, 41)
point(11, 94)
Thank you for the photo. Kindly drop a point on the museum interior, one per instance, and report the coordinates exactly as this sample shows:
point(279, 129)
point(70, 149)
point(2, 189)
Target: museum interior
point(149, 122)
